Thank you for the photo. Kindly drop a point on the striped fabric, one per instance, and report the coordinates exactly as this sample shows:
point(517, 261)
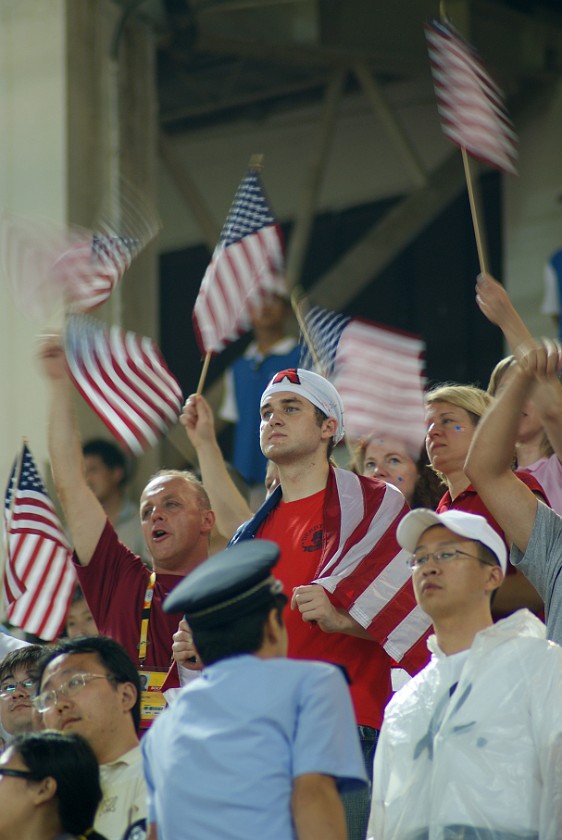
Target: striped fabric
point(470, 103)
point(89, 270)
point(246, 267)
point(124, 378)
point(377, 370)
point(363, 565)
point(39, 577)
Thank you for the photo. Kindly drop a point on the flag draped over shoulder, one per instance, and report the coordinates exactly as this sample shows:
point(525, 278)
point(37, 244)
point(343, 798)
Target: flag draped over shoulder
point(378, 372)
point(363, 565)
point(124, 379)
point(39, 578)
point(246, 266)
point(470, 103)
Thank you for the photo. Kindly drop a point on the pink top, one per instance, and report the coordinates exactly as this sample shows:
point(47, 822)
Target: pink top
point(548, 472)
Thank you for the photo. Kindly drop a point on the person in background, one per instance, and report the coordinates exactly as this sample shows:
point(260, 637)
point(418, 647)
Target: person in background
point(108, 472)
point(391, 459)
point(79, 619)
point(452, 414)
point(271, 350)
point(538, 449)
point(91, 687)
point(49, 788)
point(259, 746)
point(472, 747)
point(18, 682)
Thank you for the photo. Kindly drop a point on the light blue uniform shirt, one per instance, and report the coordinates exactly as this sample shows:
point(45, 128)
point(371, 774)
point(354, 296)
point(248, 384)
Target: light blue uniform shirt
point(220, 762)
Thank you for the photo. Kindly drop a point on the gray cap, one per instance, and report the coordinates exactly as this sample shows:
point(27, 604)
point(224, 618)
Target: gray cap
point(227, 585)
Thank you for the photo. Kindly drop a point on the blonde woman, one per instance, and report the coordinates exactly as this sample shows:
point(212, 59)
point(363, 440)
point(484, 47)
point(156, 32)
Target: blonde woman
point(452, 414)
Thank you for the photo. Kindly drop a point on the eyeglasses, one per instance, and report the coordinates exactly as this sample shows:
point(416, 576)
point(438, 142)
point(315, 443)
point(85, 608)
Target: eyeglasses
point(48, 699)
point(416, 561)
point(8, 688)
point(19, 774)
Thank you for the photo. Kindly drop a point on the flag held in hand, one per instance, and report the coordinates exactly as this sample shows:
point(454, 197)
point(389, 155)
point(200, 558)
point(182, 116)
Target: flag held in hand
point(470, 103)
point(124, 378)
point(245, 268)
point(377, 370)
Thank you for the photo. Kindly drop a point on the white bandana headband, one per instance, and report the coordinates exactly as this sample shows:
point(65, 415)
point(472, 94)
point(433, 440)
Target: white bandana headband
point(314, 388)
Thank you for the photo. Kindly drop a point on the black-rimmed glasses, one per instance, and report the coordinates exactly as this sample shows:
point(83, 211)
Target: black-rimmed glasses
point(19, 774)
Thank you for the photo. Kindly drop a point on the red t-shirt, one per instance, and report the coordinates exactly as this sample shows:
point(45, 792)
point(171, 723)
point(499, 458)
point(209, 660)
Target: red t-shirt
point(114, 585)
point(297, 528)
point(470, 501)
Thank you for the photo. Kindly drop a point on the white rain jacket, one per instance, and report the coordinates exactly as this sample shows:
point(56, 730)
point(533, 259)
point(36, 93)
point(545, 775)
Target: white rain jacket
point(488, 756)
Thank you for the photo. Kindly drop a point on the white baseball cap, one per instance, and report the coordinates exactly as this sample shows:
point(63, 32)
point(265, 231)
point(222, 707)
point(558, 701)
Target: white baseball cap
point(314, 388)
point(468, 525)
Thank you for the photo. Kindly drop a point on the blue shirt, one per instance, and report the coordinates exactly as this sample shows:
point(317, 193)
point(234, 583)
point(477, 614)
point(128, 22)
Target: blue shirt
point(220, 762)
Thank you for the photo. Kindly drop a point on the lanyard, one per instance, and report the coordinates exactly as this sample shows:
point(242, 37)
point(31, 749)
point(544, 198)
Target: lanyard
point(143, 641)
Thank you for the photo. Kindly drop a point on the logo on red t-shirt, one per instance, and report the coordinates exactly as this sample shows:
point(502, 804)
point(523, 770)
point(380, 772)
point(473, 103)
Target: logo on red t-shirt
point(312, 539)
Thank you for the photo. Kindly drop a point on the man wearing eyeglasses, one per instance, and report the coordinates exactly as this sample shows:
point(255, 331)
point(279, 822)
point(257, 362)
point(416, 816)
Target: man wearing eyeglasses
point(90, 686)
point(18, 681)
point(471, 747)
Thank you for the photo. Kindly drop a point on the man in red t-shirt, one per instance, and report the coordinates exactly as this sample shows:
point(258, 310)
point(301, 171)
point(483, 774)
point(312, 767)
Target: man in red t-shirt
point(352, 603)
point(176, 522)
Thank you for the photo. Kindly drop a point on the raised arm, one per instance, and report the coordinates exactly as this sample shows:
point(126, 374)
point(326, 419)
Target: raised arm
point(230, 507)
point(84, 514)
point(488, 465)
point(496, 305)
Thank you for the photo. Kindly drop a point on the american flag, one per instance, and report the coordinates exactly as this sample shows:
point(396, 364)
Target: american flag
point(124, 378)
point(39, 578)
point(471, 104)
point(89, 271)
point(246, 267)
point(378, 372)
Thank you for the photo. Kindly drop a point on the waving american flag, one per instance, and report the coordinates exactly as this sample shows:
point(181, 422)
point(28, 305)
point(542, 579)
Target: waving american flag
point(377, 370)
point(124, 379)
point(246, 266)
point(470, 103)
point(39, 577)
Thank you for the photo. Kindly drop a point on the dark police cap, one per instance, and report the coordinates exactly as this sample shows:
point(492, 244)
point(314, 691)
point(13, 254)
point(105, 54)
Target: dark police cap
point(229, 584)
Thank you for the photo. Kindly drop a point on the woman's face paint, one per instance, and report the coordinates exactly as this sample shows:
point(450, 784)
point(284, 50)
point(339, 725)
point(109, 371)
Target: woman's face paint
point(388, 460)
point(449, 433)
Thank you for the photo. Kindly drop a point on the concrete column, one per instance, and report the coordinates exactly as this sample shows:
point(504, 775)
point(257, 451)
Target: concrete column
point(71, 118)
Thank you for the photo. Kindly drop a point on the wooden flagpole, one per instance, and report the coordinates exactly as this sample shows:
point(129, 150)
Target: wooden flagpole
point(469, 185)
point(298, 297)
point(475, 224)
point(203, 373)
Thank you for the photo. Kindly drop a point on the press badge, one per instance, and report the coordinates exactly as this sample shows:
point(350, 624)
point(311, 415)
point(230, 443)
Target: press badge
point(152, 701)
